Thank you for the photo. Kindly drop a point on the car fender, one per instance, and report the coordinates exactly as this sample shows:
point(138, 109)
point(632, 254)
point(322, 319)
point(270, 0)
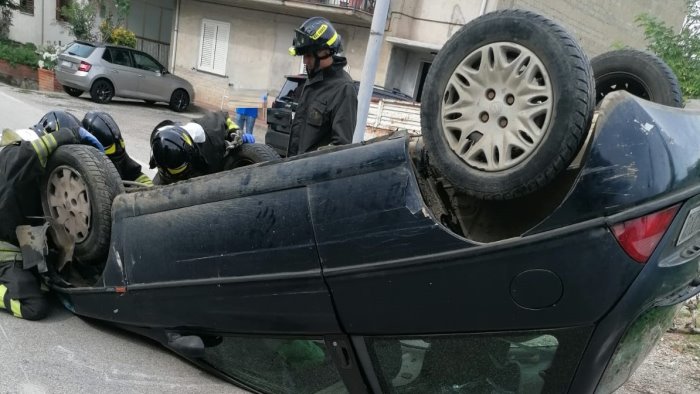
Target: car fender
point(639, 151)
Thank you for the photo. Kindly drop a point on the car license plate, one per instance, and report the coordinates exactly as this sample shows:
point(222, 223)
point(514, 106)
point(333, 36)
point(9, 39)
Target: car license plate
point(67, 64)
point(691, 225)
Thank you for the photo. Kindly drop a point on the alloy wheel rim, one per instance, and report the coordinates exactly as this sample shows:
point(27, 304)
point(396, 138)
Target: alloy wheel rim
point(180, 100)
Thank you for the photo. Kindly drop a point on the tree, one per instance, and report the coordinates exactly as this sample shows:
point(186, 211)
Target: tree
point(681, 51)
point(81, 19)
point(6, 8)
point(113, 29)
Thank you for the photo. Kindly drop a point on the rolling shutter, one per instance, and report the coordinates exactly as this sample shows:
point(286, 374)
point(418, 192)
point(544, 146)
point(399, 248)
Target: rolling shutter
point(214, 46)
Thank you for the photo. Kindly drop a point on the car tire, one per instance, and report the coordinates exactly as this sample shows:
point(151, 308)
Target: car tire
point(80, 182)
point(248, 154)
point(102, 91)
point(533, 129)
point(640, 73)
point(179, 100)
point(72, 91)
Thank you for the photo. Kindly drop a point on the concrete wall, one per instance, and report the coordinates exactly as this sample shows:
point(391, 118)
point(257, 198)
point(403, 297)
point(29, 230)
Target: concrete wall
point(258, 49)
point(599, 25)
point(28, 28)
point(428, 22)
point(602, 25)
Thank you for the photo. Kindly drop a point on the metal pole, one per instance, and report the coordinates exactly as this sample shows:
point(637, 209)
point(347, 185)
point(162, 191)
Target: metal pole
point(369, 70)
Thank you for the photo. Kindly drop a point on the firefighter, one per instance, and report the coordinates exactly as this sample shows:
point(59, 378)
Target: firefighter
point(327, 109)
point(22, 163)
point(197, 148)
point(105, 129)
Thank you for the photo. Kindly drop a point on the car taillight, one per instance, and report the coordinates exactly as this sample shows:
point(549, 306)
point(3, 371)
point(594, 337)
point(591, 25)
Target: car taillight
point(84, 66)
point(639, 237)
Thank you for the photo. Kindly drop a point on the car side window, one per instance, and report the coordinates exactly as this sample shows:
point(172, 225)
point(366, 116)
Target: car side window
point(107, 56)
point(145, 62)
point(276, 365)
point(121, 57)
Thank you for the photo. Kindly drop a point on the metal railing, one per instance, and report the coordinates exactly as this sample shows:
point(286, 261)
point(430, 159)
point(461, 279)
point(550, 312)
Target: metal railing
point(357, 5)
point(157, 49)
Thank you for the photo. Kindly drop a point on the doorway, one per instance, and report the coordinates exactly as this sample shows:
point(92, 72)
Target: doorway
point(424, 68)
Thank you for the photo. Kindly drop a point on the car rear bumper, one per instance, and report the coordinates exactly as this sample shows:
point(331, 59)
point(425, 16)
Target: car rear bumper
point(74, 79)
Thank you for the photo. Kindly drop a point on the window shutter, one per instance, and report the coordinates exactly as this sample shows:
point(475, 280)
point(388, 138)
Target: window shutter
point(214, 46)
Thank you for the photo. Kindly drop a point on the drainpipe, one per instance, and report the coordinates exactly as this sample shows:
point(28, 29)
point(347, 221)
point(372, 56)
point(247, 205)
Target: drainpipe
point(484, 3)
point(173, 43)
point(369, 70)
point(43, 11)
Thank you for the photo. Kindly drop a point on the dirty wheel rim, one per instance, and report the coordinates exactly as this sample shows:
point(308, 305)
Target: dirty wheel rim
point(69, 202)
point(104, 91)
point(497, 106)
point(181, 100)
point(622, 81)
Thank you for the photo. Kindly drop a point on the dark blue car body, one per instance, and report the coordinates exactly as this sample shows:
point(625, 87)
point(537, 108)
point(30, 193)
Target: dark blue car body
point(342, 249)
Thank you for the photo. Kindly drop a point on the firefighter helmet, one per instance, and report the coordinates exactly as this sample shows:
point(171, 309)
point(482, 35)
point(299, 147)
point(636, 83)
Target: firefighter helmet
point(55, 120)
point(313, 35)
point(105, 129)
point(173, 150)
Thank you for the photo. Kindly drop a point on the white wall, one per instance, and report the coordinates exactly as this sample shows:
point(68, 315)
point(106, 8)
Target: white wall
point(28, 28)
point(258, 55)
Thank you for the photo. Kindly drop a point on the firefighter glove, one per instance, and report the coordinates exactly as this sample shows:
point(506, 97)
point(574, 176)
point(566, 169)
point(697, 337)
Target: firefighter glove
point(248, 138)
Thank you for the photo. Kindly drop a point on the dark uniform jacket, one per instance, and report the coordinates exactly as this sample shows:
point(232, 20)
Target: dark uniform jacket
point(20, 172)
point(327, 110)
point(128, 168)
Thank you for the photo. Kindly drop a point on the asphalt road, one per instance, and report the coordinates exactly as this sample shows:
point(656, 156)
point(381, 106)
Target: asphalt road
point(64, 353)
point(21, 108)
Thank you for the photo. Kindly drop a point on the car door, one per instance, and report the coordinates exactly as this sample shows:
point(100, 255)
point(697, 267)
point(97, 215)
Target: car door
point(120, 69)
point(152, 84)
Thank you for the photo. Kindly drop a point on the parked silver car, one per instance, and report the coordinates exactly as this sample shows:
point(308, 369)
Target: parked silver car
point(107, 71)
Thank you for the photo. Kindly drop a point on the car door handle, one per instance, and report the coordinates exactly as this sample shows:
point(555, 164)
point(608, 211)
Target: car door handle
point(141, 76)
point(115, 72)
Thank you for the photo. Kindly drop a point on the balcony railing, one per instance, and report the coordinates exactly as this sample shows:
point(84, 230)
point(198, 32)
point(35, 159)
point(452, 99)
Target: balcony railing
point(366, 6)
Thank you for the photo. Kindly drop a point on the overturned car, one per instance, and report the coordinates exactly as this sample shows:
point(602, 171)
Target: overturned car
point(519, 248)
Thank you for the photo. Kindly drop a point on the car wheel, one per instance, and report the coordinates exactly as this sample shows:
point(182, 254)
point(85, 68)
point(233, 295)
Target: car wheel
point(248, 154)
point(77, 191)
point(179, 100)
point(102, 91)
point(507, 104)
point(640, 73)
point(72, 91)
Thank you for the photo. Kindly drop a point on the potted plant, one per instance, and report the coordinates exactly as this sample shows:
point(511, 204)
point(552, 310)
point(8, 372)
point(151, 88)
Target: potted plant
point(46, 64)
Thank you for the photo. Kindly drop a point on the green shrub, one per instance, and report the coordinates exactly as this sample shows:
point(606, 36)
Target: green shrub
point(123, 36)
point(16, 53)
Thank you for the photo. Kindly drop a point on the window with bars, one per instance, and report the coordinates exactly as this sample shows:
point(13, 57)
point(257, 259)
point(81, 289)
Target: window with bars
point(59, 6)
point(213, 48)
point(26, 6)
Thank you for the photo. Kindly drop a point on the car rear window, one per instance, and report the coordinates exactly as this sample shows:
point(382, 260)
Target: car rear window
point(80, 49)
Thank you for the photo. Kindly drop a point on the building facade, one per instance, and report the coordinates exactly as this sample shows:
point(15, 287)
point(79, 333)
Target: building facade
point(225, 47)
point(40, 22)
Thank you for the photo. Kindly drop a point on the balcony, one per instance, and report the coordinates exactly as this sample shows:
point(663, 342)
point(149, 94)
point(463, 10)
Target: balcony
point(354, 12)
point(366, 6)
